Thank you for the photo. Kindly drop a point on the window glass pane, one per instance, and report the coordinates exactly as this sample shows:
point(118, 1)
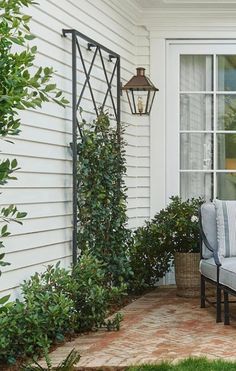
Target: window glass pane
point(226, 151)
point(195, 151)
point(196, 72)
point(196, 112)
point(196, 185)
point(226, 186)
point(226, 112)
point(226, 72)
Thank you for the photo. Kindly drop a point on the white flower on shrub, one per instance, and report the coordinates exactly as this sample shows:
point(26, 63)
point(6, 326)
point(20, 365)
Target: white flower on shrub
point(194, 218)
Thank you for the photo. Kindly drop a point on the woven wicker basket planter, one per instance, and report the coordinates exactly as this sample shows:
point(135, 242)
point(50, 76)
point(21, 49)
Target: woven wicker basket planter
point(187, 274)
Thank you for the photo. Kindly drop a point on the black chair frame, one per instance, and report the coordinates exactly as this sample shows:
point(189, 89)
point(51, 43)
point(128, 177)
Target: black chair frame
point(204, 299)
point(219, 287)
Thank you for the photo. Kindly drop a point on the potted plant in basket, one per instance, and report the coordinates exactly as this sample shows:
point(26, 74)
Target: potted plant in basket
point(182, 240)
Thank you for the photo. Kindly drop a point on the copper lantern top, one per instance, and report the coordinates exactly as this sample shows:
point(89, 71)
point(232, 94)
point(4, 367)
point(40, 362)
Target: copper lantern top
point(140, 82)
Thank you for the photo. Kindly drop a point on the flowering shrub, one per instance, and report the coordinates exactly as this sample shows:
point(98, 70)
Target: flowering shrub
point(173, 229)
point(179, 225)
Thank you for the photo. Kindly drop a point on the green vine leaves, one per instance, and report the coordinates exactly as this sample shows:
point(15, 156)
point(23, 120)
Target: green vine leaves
point(102, 198)
point(19, 87)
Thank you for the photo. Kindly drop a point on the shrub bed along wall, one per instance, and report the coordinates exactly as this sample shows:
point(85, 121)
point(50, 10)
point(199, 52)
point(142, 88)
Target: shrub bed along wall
point(56, 304)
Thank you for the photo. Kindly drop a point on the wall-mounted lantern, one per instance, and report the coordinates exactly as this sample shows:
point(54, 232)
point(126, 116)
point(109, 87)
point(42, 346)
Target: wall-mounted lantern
point(140, 92)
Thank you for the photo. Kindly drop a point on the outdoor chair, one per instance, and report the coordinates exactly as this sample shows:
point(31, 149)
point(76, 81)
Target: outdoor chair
point(218, 252)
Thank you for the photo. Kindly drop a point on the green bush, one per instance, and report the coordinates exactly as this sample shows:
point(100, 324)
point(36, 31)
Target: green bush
point(21, 332)
point(102, 198)
point(178, 223)
point(57, 303)
point(173, 229)
point(91, 296)
point(44, 317)
point(149, 258)
point(53, 307)
point(86, 287)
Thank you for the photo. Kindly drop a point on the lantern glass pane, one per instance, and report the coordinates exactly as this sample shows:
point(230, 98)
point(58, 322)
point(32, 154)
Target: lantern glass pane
point(140, 98)
point(140, 101)
point(150, 101)
point(131, 101)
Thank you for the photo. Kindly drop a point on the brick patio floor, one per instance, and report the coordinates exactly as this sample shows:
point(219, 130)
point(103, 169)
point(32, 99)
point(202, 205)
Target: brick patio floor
point(158, 326)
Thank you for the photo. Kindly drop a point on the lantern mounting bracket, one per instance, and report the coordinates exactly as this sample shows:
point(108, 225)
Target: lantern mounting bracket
point(90, 46)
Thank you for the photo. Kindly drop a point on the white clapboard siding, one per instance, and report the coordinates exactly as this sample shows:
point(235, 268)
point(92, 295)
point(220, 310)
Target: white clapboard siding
point(142, 161)
point(43, 120)
point(37, 255)
point(35, 148)
point(10, 280)
point(47, 238)
point(35, 196)
point(32, 225)
point(142, 137)
point(40, 165)
point(44, 185)
point(40, 180)
point(143, 171)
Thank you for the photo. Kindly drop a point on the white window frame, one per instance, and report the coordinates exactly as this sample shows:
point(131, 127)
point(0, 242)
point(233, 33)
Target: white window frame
point(174, 50)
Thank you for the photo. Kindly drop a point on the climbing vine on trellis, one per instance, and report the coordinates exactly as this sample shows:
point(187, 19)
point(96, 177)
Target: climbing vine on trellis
point(102, 198)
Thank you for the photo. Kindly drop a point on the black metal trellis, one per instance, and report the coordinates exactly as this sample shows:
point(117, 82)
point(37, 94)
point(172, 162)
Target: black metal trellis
point(97, 49)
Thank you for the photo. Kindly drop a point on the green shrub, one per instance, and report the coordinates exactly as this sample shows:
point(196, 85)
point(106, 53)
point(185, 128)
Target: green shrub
point(179, 224)
point(44, 317)
point(91, 295)
point(21, 332)
point(102, 198)
point(149, 258)
point(173, 229)
point(94, 297)
point(84, 289)
point(87, 289)
point(56, 303)
point(53, 307)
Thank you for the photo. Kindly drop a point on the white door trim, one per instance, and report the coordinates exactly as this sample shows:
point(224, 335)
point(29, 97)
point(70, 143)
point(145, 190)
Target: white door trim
point(159, 45)
point(174, 50)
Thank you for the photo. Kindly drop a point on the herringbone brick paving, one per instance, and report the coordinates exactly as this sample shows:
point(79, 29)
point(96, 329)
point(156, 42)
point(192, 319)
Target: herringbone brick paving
point(158, 326)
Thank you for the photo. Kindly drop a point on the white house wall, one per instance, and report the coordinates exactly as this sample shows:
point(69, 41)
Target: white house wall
point(43, 188)
point(44, 185)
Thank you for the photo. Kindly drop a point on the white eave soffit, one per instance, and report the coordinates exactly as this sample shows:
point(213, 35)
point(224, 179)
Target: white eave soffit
point(198, 2)
point(146, 6)
point(149, 12)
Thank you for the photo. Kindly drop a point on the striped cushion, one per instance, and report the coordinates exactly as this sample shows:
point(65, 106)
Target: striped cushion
point(226, 227)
